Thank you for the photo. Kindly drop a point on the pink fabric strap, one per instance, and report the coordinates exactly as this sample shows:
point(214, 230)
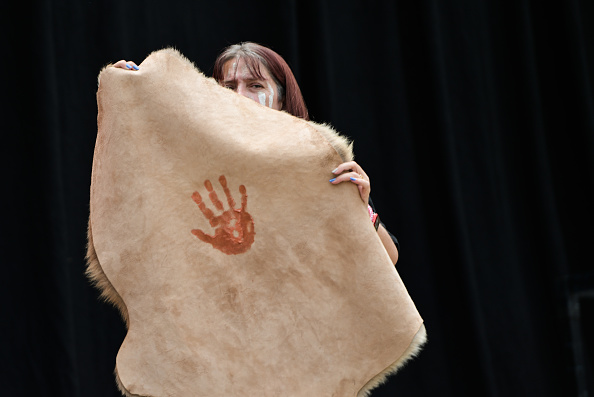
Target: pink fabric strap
point(373, 217)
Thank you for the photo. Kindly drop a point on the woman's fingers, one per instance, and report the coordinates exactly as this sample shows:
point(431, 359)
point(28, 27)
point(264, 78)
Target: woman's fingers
point(133, 65)
point(352, 172)
point(127, 65)
point(119, 64)
point(364, 188)
point(347, 176)
point(359, 179)
point(350, 166)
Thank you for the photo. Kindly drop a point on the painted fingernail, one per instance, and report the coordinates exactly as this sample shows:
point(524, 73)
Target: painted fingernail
point(353, 179)
point(128, 66)
point(135, 67)
point(334, 170)
point(332, 180)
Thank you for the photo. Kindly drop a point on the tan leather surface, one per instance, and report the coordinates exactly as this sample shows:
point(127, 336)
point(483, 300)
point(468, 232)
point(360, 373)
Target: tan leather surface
point(312, 307)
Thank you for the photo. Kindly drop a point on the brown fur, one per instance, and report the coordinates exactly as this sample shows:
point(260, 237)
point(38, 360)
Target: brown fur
point(413, 350)
point(95, 273)
point(334, 309)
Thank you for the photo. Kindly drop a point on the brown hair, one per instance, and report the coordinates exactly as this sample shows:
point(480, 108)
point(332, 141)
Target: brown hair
point(255, 55)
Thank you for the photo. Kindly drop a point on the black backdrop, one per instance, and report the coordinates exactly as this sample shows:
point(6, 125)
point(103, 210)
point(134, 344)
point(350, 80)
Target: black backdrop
point(474, 119)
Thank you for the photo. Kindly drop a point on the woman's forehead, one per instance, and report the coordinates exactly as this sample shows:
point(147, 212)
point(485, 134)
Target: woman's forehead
point(245, 68)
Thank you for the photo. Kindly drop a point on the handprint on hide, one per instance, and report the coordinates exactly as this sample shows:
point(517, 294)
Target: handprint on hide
point(234, 233)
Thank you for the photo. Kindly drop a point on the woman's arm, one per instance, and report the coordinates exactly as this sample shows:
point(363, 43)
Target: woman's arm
point(352, 172)
point(388, 243)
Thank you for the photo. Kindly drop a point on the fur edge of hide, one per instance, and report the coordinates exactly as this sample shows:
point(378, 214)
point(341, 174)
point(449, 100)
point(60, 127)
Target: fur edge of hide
point(94, 271)
point(340, 143)
point(99, 279)
point(121, 387)
point(412, 351)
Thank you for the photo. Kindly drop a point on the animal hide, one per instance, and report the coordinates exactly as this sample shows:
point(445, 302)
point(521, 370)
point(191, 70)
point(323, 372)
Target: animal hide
point(238, 268)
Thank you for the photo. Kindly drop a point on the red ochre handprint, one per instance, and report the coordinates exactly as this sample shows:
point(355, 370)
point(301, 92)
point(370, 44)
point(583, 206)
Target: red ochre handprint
point(234, 233)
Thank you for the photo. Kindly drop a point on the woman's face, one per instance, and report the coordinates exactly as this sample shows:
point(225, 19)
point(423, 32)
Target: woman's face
point(263, 90)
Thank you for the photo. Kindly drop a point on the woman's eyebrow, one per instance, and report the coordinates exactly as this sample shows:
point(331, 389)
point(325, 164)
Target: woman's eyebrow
point(248, 78)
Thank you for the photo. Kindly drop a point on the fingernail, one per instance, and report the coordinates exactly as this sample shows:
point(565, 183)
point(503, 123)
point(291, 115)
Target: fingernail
point(332, 180)
point(128, 66)
point(334, 170)
point(135, 67)
point(353, 179)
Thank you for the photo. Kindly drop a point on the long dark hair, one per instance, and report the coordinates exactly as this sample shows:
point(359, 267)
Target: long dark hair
point(255, 55)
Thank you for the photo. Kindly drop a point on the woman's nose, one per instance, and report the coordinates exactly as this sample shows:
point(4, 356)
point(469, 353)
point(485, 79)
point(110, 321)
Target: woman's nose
point(242, 90)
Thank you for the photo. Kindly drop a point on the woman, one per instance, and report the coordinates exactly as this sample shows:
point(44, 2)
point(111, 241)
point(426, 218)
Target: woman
point(259, 73)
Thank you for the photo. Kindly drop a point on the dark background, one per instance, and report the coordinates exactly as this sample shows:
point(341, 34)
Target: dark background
point(474, 119)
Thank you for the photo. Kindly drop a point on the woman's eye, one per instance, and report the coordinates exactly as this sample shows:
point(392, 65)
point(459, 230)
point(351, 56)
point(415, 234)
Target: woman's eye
point(257, 86)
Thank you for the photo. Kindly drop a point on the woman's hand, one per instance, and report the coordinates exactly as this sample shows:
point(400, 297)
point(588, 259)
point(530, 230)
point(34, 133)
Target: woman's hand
point(352, 172)
point(126, 65)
